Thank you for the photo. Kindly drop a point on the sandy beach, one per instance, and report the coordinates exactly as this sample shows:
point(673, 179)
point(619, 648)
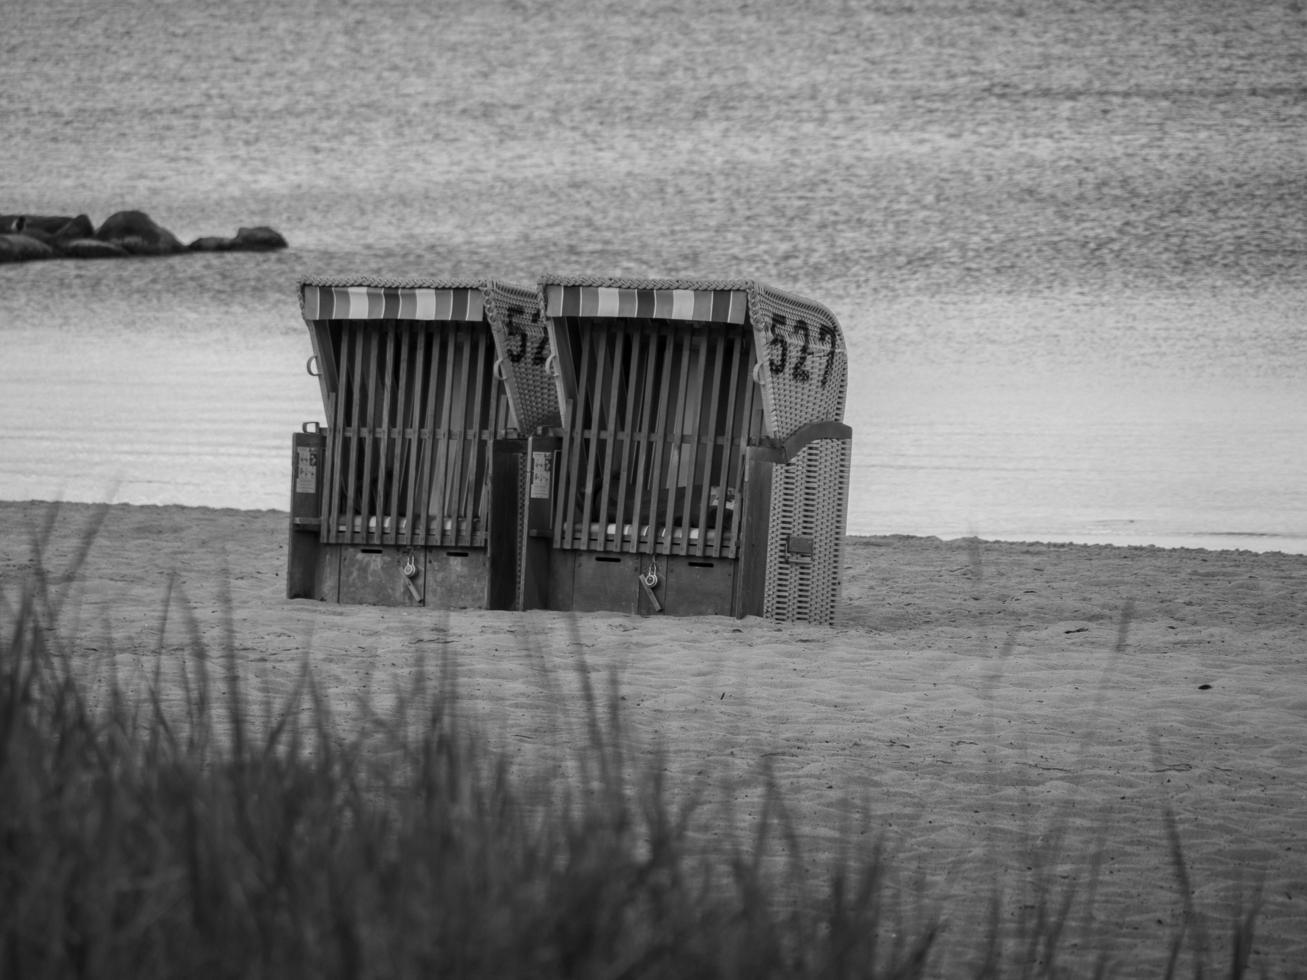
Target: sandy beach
point(1003, 716)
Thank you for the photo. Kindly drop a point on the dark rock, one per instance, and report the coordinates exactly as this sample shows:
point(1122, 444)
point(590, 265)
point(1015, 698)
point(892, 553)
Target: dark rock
point(260, 239)
point(75, 228)
point(137, 233)
point(23, 248)
point(42, 236)
point(93, 248)
point(46, 224)
point(212, 243)
point(24, 237)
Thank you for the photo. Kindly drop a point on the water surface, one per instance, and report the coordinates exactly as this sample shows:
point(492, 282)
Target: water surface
point(1066, 246)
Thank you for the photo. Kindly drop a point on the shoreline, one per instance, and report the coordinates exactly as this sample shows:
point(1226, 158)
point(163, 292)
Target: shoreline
point(974, 701)
point(1214, 541)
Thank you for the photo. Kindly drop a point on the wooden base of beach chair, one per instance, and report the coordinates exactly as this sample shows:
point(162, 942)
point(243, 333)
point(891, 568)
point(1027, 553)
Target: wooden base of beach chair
point(381, 575)
point(593, 581)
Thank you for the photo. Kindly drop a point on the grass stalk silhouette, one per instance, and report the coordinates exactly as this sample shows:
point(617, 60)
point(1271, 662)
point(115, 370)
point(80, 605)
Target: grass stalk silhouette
point(142, 839)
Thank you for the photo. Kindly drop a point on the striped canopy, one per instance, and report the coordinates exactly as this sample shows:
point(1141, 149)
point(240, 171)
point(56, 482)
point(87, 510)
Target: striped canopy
point(712, 305)
point(391, 303)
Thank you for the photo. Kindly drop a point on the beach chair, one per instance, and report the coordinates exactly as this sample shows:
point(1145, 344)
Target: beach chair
point(411, 494)
point(702, 464)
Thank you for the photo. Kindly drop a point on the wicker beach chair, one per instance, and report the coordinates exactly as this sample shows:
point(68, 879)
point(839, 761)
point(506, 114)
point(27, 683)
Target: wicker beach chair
point(411, 493)
point(702, 462)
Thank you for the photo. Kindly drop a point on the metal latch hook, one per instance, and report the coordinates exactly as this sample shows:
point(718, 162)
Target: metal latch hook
point(649, 582)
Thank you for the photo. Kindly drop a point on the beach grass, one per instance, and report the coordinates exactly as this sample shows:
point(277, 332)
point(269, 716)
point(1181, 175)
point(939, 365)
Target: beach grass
point(242, 838)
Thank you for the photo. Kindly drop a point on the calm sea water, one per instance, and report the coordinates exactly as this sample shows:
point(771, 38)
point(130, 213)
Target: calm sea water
point(1068, 248)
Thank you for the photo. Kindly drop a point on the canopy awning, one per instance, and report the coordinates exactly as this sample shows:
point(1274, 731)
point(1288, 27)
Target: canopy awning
point(322, 302)
point(709, 305)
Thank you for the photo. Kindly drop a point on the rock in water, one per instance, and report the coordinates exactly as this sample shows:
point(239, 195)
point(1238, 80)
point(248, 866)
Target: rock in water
point(259, 239)
point(75, 228)
point(43, 224)
point(136, 232)
point(23, 248)
point(24, 237)
point(93, 248)
point(211, 243)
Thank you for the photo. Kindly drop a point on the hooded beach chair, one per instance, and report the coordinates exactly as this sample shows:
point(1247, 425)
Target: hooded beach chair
point(703, 462)
point(412, 492)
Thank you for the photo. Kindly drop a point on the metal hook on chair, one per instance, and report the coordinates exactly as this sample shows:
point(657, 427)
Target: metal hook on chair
point(649, 582)
point(410, 571)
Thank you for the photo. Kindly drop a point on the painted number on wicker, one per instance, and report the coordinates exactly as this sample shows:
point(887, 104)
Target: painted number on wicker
point(519, 338)
point(784, 336)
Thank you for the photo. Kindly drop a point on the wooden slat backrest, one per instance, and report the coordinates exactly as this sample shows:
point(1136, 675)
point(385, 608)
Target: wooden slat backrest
point(654, 442)
point(634, 407)
point(397, 344)
point(431, 388)
point(740, 427)
point(662, 432)
point(442, 379)
point(677, 436)
point(413, 428)
point(608, 429)
point(471, 411)
point(706, 445)
point(574, 446)
point(651, 349)
point(410, 438)
point(356, 391)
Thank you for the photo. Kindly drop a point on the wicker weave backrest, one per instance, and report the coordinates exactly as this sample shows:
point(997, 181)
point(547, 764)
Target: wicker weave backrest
point(803, 361)
point(522, 340)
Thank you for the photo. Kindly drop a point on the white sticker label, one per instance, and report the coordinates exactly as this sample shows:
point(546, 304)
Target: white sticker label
point(306, 470)
point(542, 475)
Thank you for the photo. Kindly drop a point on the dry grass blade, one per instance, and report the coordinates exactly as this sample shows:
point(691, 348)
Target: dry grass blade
point(143, 838)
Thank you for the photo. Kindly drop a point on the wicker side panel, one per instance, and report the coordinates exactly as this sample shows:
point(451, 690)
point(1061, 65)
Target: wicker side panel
point(803, 362)
point(523, 531)
point(809, 505)
point(523, 351)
